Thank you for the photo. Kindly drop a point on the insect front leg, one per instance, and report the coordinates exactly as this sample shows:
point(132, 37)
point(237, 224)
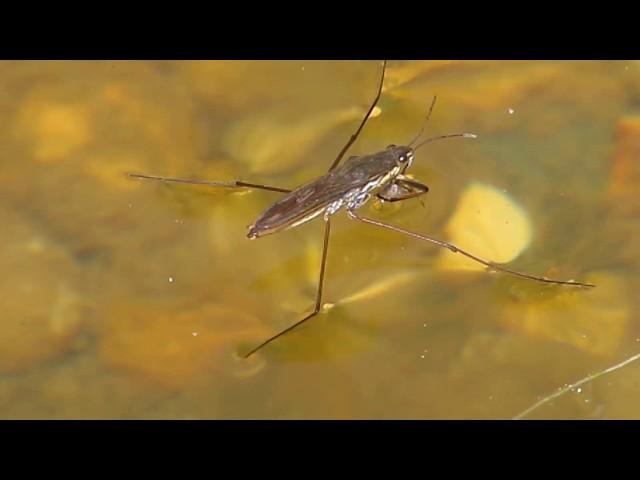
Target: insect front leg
point(402, 188)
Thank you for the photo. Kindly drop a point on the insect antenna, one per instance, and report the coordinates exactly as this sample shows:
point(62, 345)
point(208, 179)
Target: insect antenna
point(424, 125)
point(440, 137)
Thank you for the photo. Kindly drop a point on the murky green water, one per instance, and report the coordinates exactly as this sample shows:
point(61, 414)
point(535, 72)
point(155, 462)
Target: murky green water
point(131, 299)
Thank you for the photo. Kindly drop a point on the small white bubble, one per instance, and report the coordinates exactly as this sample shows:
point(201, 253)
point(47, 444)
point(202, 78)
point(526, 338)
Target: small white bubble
point(170, 279)
point(302, 68)
point(511, 111)
point(424, 324)
point(421, 356)
point(195, 334)
point(579, 390)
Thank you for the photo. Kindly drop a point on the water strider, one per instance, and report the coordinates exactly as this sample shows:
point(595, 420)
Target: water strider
point(348, 187)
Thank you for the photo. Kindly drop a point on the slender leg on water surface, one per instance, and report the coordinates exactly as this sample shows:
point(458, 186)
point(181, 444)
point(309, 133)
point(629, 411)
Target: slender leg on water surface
point(231, 184)
point(318, 306)
point(353, 215)
point(327, 230)
point(364, 120)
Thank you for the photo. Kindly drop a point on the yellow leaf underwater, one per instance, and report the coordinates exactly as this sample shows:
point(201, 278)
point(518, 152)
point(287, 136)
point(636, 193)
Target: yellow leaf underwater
point(487, 223)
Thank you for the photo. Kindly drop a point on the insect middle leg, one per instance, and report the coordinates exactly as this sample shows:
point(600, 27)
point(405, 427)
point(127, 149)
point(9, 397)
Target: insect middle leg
point(327, 230)
point(353, 215)
point(231, 184)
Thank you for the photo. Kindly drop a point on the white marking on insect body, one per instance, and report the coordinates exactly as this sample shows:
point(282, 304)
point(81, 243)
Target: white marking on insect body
point(333, 208)
point(306, 218)
point(357, 197)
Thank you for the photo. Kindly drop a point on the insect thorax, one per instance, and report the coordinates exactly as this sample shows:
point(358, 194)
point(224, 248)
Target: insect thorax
point(357, 197)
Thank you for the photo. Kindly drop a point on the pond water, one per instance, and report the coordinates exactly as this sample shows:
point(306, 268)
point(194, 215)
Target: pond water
point(127, 298)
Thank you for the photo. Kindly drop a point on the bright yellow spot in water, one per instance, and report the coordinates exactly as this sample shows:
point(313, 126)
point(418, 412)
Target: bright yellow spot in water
point(58, 129)
point(381, 287)
point(487, 223)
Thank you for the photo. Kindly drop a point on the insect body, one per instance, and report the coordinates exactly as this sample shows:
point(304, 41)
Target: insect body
point(349, 186)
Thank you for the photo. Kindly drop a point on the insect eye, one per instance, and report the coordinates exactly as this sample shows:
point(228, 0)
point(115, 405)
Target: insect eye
point(402, 159)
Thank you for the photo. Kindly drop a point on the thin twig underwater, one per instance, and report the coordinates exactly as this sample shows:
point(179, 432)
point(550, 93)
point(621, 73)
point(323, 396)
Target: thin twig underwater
point(348, 187)
point(575, 385)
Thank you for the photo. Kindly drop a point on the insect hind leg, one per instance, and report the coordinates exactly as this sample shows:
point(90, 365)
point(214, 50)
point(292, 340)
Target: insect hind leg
point(231, 184)
point(354, 216)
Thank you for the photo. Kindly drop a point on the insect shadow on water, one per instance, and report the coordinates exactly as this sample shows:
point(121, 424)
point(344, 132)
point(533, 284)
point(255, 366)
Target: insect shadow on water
point(349, 186)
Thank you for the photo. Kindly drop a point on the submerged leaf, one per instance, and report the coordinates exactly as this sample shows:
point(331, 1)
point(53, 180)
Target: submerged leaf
point(487, 223)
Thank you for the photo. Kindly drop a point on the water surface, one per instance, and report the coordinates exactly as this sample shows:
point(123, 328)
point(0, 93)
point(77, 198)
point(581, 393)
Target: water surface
point(132, 299)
